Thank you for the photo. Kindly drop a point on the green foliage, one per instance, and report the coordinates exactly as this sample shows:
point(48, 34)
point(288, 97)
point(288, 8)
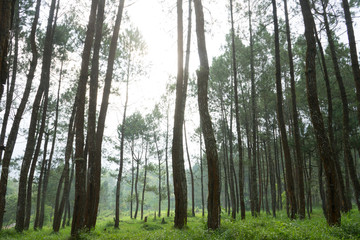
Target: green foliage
point(263, 227)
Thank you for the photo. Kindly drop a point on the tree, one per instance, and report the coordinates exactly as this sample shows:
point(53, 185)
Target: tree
point(6, 16)
point(333, 216)
point(237, 115)
point(80, 162)
point(179, 177)
point(208, 132)
point(42, 92)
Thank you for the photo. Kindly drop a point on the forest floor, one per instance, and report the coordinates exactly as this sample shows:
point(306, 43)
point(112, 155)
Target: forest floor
point(263, 227)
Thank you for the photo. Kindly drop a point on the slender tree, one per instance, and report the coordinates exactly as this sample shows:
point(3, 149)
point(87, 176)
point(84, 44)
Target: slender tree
point(179, 177)
point(237, 114)
point(345, 109)
point(209, 138)
point(333, 216)
point(78, 221)
point(289, 175)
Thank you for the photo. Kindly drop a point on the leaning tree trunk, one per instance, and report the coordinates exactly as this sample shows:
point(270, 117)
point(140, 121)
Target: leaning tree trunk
point(10, 92)
point(30, 144)
point(91, 126)
point(346, 128)
point(191, 175)
point(103, 113)
point(345, 201)
point(6, 16)
point(207, 128)
point(80, 167)
point(280, 115)
point(18, 116)
point(325, 152)
point(353, 52)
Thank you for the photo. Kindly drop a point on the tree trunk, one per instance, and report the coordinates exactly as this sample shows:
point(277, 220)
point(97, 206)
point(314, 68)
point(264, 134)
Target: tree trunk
point(166, 160)
point(254, 192)
point(324, 148)
point(92, 186)
point(353, 52)
point(345, 110)
point(136, 189)
point(144, 187)
point(78, 221)
point(345, 201)
point(47, 170)
point(58, 211)
point(201, 174)
point(179, 177)
point(237, 115)
point(191, 175)
point(299, 160)
point(10, 93)
point(159, 171)
point(6, 16)
point(280, 115)
point(210, 142)
point(122, 131)
point(30, 144)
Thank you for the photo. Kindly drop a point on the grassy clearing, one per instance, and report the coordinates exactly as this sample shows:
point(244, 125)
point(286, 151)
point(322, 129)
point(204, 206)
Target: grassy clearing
point(263, 227)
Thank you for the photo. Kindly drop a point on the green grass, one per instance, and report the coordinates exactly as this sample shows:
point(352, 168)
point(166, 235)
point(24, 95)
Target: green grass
point(263, 227)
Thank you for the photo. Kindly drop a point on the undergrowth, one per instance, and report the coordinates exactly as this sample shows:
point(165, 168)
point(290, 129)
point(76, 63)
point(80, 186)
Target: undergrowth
point(263, 227)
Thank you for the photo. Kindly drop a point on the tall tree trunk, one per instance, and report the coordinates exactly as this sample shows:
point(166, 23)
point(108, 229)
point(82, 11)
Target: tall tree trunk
point(254, 192)
point(136, 189)
point(280, 115)
point(159, 171)
point(121, 164)
point(179, 177)
point(191, 175)
point(298, 155)
point(353, 52)
point(59, 206)
point(345, 110)
point(324, 148)
point(91, 129)
point(201, 174)
point(210, 142)
point(40, 184)
point(47, 170)
point(6, 17)
point(231, 167)
point(166, 160)
point(30, 144)
point(237, 115)
point(78, 221)
point(144, 187)
point(10, 93)
point(345, 201)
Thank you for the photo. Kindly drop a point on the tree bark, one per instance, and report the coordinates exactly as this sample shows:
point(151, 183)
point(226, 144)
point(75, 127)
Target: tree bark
point(6, 17)
point(324, 148)
point(210, 142)
point(179, 177)
point(298, 155)
point(78, 221)
point(353, 52)
point(144, 187)
point(191, 175)
point(345, 110)
point(92, 186)
point(280, 115)
point(30, 144)
point(237, 115)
